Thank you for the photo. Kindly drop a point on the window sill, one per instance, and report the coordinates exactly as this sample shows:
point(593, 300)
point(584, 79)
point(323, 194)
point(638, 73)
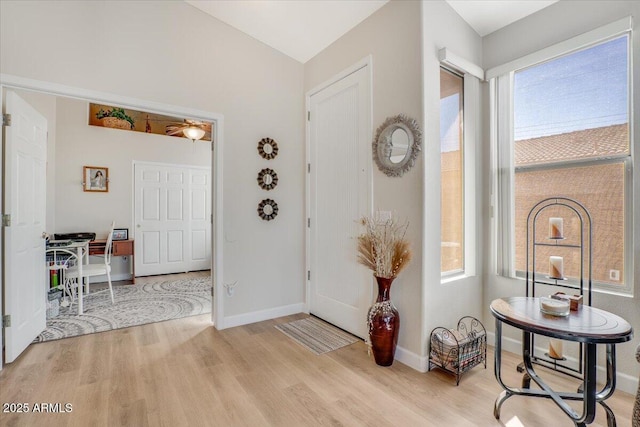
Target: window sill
point(455, 278)
point(597, 288)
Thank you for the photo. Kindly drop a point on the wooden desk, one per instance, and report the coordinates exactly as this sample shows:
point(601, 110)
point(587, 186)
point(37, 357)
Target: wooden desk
point(119, 248)
point(590, 326)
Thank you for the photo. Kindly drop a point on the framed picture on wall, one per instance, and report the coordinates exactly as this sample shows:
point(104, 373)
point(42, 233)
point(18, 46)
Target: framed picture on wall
point(95, 178)
point(120, 234)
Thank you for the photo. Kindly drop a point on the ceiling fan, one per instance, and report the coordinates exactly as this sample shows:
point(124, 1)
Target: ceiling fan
point(192, 129)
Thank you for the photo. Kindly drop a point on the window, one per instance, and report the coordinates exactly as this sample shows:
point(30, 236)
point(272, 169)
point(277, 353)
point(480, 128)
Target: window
point(568, 135)
point(452, 172)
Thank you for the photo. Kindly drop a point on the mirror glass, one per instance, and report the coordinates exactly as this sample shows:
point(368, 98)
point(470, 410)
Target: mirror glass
point(268, 209)
point(267, 148)
point(399, 145)
point(267, 179)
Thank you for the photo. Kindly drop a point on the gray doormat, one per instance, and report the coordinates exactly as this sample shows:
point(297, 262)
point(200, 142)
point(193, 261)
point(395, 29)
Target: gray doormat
point(318, 336)
point(134, 305)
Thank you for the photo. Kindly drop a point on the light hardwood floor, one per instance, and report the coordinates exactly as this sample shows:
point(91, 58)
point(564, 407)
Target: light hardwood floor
point(186, 373)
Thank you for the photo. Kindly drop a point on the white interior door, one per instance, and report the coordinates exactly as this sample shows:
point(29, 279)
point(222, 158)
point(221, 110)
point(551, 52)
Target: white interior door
point(24, 201)
point(172, 219)
point(200, 219)
point(340, 194)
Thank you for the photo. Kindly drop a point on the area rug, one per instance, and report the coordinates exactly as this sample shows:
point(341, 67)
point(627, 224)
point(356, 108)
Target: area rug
point(318, 336)
point(134, 305)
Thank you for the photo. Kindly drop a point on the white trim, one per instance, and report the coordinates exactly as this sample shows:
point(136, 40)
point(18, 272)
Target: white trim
point(114, 277)
point(460, 64)
point(262, 315)
point(501, 96)
point(105, 97)
point(364, 62)
point(631, 201)
point(307, 203)
point(217, 314)
point(1, 230)
point(624, 382)
point(156, 107)
point(472, 137)
point(411, 359)
point(177, 165)
point(578, 42)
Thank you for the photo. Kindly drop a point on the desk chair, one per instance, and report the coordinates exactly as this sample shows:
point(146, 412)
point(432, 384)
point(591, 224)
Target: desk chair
point(60, 260)
point(98, 269)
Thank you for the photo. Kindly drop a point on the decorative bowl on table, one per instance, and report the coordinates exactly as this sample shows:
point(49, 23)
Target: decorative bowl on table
point(554, 307)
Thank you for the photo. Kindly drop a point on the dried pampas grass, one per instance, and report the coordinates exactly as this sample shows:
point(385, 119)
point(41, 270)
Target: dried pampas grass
point(383, 247)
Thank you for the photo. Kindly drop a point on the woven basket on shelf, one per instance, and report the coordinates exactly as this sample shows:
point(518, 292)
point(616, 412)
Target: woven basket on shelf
point(116, 123)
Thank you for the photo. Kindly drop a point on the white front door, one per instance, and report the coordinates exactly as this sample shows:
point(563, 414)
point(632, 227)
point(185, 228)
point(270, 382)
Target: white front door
point(340, 194)
point(24, 200)
point(172, 219)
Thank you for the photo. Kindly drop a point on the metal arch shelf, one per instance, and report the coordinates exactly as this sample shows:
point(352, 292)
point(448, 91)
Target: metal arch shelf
point(583, 283)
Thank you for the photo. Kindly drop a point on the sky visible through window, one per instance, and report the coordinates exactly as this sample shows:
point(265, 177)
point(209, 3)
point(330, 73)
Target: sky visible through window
point(449, 123)
point(582, 90)
point(574, 108)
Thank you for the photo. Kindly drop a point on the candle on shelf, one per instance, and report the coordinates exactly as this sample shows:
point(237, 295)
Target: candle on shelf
point(555, 228)
point(555, 348)
point(556, 268)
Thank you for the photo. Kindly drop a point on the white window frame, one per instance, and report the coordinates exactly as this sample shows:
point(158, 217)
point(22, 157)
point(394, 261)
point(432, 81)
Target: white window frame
point(501, 83)
point(472, 75)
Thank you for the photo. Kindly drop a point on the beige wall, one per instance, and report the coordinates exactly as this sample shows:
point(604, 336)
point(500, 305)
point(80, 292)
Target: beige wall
point(395, 39)
point(172, 53)
point(82, 145)
point(261, 93)
point(554, 24)
point(444, 303)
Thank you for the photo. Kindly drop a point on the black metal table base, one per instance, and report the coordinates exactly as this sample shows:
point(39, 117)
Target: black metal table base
point(586, 393)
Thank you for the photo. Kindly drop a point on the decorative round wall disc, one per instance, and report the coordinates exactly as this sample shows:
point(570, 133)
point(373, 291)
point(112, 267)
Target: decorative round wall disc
point(267, 209)
point(267, 148)
point(267, 179)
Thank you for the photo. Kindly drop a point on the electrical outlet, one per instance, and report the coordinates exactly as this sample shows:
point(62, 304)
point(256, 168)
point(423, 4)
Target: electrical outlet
point(384, 215)
point(614, 275)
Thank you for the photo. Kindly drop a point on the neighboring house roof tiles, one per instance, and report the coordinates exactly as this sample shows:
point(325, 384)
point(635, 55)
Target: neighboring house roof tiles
point(588, 143)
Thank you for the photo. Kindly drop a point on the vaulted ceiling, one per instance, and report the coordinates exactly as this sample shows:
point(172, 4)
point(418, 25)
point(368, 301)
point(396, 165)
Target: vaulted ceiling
point(301, 29)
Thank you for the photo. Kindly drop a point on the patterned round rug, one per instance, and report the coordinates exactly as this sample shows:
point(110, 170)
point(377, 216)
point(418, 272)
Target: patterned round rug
point(134, 305)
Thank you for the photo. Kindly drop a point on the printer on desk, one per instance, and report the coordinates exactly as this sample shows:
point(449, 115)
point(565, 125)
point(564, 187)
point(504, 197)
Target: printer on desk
point(74, 236)
point(63, 239)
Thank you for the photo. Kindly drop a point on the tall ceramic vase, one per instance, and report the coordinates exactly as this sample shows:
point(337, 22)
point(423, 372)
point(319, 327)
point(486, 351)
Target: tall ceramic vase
point(384, 325)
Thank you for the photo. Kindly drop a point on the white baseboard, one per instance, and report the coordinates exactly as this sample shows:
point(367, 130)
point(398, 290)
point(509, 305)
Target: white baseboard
point(259, 316)
point(114, 278)
point(411, 359)
point(508, 344)
point(624, 382)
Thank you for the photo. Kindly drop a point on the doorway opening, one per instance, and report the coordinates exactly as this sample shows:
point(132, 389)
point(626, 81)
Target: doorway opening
point(66, 109)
